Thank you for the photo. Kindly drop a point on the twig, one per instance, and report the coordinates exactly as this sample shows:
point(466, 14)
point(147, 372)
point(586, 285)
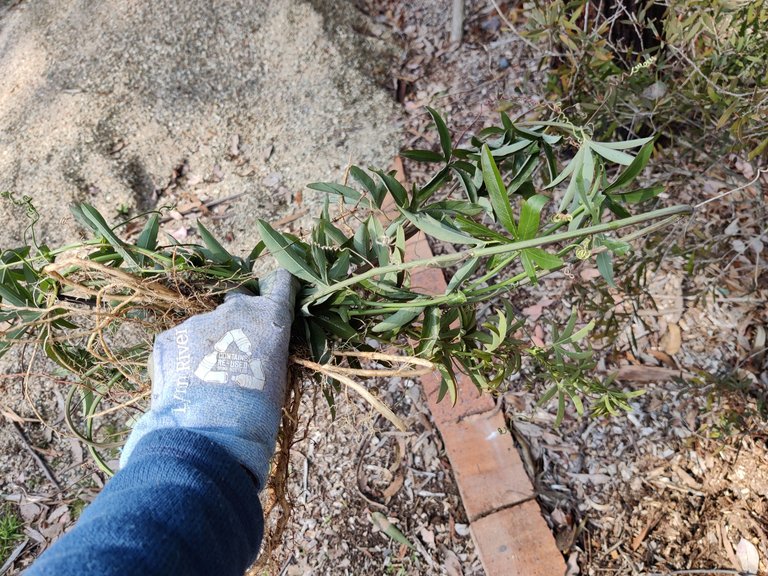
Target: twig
point(760, 172)
point(512, 27)
point(208, 205)
point(35, 456)
point(287, 219)
point(14, 555)
point(457, 22)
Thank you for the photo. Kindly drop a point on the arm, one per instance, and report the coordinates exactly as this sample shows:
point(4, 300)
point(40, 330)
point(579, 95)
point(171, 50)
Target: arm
point(181, 506)
point(185, 501)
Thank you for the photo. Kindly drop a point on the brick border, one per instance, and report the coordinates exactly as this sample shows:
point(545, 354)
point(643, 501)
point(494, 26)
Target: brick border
point(506, 524)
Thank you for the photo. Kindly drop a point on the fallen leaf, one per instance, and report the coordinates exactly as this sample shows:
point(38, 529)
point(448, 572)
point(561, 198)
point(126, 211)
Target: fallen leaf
point(646, 374)
point(589, 273)
point(180, 234)
point(461, 529)
point(663, 357)
point(383, 523)
point(672, 340)
point(452, 564)
point(427, 536)
point(535, 311)
point(748, 557)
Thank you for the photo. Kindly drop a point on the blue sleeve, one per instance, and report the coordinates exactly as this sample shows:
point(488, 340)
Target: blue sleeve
point(182, 506)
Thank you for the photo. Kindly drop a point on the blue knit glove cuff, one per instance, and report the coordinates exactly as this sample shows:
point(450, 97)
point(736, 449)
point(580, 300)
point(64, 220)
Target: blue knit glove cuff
point(223, 374)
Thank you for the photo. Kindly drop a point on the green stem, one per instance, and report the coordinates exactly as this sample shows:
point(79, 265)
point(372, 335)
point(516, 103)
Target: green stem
point(447, 259)
point(480, 294)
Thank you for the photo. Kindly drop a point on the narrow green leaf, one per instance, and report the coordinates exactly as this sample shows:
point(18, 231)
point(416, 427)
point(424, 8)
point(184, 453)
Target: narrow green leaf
point(547, 396)
point(530, 216)
point(374, 190)
point(497, 191)
point(613, 155)
point(560, 409)
point(319, 261)
point(574, 164)
point(498, 333)
point(632, 171)
point(318, 341)
point(398, 319)
point(340, 268)
point(378, 241)
point(331, 322)
point(362, 242)
point(218, 253)
point(439, 229)
point(285, 254)
point(626, 144)
point(466, 270)
point(429, 189)
point(349, 194)
point(430, 332)
point(453, 207)
point(442, 130)
point(422, 155)
point(523, 176)
point(448, 383)
point(528, 266)
point(465, 179)
point(148, 237)
point(399, 193)
point(257, 250)
point(93, 219)
point(581, 334)
point(544, 259)
point(480, 231)
point(605, 266)
point(381, 521)
point(511, 148)
point(615, 207)
point(640, 194)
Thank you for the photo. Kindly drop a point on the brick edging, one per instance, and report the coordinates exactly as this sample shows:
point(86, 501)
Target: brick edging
point(506, 524)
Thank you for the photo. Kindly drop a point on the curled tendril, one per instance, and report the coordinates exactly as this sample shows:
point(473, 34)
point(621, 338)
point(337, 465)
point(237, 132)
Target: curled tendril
point(582, 251)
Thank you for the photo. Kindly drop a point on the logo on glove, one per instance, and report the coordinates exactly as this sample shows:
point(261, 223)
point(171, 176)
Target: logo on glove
point(232, 360)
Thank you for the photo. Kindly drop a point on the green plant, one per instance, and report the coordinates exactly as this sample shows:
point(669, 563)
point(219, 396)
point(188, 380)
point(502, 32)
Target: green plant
point(11, 531)
point(512, 213)
point(693, 72)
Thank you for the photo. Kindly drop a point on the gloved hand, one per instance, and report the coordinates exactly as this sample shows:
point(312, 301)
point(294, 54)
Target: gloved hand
point(223, 374)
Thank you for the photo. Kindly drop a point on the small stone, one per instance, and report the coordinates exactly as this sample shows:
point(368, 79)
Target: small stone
point(503, 63)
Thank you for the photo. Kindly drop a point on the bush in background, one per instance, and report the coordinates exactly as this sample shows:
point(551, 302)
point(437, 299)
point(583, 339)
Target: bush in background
point(692, 70)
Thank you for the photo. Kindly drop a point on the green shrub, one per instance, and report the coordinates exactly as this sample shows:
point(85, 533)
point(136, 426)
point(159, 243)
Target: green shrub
point(694, 72)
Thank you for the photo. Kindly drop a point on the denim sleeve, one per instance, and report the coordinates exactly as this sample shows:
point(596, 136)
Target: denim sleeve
point(182, 506)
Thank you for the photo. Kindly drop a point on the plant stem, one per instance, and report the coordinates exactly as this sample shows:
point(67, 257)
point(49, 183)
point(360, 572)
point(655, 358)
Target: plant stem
point(447, 259)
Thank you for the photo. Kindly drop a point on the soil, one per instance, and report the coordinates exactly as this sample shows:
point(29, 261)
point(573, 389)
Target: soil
point(679, 483)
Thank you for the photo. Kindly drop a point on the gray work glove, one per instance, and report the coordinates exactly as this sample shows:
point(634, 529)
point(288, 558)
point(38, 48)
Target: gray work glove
point(222, 374)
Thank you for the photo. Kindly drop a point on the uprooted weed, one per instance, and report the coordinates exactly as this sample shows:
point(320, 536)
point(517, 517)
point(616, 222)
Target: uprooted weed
point(514, 216)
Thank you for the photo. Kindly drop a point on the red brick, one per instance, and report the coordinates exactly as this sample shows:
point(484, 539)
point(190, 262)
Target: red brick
point(469, 399)
point(486, 464)
point(517, 542)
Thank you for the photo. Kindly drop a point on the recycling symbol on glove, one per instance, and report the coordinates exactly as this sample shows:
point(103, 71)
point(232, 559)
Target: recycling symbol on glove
point(232, 359)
